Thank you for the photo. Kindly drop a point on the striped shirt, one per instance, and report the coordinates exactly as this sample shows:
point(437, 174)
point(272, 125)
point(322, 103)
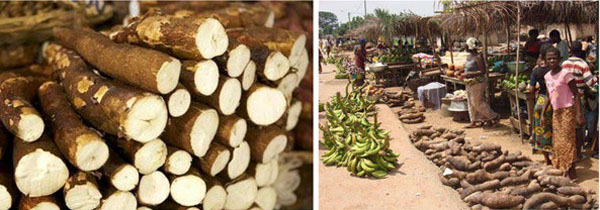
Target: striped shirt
point(581, 72)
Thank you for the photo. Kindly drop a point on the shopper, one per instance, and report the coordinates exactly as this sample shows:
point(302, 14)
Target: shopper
point(476, 83)
point(541, 138)
point(561, 87)
point(360, 58)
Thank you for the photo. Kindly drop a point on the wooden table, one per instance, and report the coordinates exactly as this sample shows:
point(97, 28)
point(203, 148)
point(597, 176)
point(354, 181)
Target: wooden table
point(529, 99)
point(394, 75)
point(456, 83)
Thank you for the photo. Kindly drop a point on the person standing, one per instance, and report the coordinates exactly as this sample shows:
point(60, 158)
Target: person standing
point(561, 45)
point(532, 46)
point(566, 114)
point(541, 138)
point(360, 57)
point(479, 110)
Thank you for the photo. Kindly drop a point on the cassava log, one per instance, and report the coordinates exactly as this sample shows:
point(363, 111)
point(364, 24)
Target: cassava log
point(39, 169)
point(178, 101)
point(264, 174)
point(115, 199)
point(153, 189)
point(301, 67)
point(81, 145)
point(178, 161)
point(9, 194)
point(489, 185)
point(242, 15)
point(241, 193)
point(286, 85)
point(240, 159)
point(169, 204)
point(12, 56)
point(17, 91)
point(232, 130)
point(292, 116)
point(200, 77)
point(497, 200)
point(262, 104)
point(461, 163)
point(226, 98)
point(144, 68)
point(265, 143)
point(109, 105)
point(81, 192)
point(193, 131)
point(270, 65)
point(193, 37)
point(266, 197)
point(121, 174)
point(234, 61)
point(248, 76)
point(188, 189)
point(48, 202)
point(147, 157)
point(290, 43)
point(215, 194)
point(215, 160)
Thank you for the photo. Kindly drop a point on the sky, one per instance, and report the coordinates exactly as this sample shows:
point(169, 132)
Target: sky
point(356, 8)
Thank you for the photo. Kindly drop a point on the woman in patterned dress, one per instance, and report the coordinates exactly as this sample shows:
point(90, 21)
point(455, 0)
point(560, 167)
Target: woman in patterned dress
point(566, 113)
point(541, 140)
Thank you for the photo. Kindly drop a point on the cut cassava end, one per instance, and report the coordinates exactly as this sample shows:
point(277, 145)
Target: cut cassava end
point(110, 106)
point(201, 78)
point(178, 161)
point(240, 193)
point(266, 143)
point(262, 104)
point(178, 101)
point(215, 160)
point(148, 69)
point(81, 192)
point(147, 157)
point(82, 146)
point(114, 199)
point(235, 60)
point(226, 97)
point(249, 75)
point(266, 198)
point(271, 65)
point(153, 189)
point(122, 175)
point(215, 198)
point(189, 189)
point(264, 174)
point(39, 169)
point(287, 85)
point(240, 159)
point(194, 131)
point(18, 115)
point(186, 37)
point(301, 66)
point(232, 130)
point(38, 203)
point(293, 115)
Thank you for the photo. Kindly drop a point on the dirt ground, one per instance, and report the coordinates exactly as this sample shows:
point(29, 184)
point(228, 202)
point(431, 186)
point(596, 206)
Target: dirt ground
point(415, 185)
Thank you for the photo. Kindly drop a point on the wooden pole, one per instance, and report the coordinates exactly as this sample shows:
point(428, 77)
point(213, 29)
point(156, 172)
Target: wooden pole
point(451, 48)
point(569, 34)
point(517, 72)
point(508, 39)
point(487, 72)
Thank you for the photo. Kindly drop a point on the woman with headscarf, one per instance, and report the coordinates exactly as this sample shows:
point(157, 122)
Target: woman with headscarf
point(476, 83)
point(566, 114)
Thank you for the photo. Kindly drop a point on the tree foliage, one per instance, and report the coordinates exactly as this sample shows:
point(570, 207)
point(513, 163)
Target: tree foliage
point(327, 22)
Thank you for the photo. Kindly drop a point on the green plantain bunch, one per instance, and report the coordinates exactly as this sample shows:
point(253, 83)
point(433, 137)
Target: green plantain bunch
point(352, 140)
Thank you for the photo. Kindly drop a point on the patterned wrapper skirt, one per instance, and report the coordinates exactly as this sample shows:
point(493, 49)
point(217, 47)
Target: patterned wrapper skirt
point(542, 130)
point(478, 108)
point(563, 138)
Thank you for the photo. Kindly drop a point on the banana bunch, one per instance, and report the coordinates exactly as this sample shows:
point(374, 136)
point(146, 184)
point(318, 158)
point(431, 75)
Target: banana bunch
point(352, 140)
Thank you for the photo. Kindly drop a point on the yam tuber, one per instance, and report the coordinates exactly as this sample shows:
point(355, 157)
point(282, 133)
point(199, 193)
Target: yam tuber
point(533, 187)
point(496, 200)
point(544, 197)
point(558, 181)
point(489, 185)
point(481, 175)
point(494, 164)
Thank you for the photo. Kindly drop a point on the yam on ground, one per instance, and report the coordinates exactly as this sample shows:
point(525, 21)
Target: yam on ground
point(122, 175)
point(17, 91)
point(81, 192)
point(496, 200)
point(491, 165)
point(558, 181)
point(147, 157)
point(544, 197)
point(193, 131)
point(481, 175)
point(525, 191)
point(489, 185)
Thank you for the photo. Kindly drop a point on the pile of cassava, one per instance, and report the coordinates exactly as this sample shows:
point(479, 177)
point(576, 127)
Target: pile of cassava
point(173, 111)
point(352, 140)
point(410, 112)
point(488, 178)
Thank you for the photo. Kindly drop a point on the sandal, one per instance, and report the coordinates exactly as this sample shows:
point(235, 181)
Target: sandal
point(475, 125)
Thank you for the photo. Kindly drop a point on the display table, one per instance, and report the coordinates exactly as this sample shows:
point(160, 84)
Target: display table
point(394, 74)
point(529, 99)
point(456, 84)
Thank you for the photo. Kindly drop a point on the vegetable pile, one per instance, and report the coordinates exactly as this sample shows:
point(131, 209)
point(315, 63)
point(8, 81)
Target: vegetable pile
point(488, 178)
point(352, 140)
point(511, 81)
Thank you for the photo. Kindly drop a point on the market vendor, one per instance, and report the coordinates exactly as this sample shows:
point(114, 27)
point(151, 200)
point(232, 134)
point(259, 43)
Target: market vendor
point(360, 58)
point(567, 113)
point(476, 83)
point(541, 138)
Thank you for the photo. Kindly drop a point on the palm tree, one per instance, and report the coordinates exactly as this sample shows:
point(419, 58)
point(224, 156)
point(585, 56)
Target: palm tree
point(386, 22)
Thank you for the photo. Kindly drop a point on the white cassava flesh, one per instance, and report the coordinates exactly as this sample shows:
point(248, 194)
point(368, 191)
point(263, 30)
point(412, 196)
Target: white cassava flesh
point(188, 190)
point(274, 172)
point(266, 198)
point(153, 189)
point(265, 105)
point(237, 61)
point(167, 76)
point(287, 85)
point(276, 146)
point(83, 197)
point(30, 128)
point(238, 132)
point(179, 162)
point(215, 198)
point(293, 114)
point(151, 156)
point(297, 49)
point(220, 162)
point(241, 194)
point(121, 200)
point(249, 75)
point(143, 208)
point(211, 39)
point(126, 178)
point(285, 185)
point(266, 173)
point(229, 98)
point(92, 155)
point(146, 118)
point(270, 20)
point(179, 102)
point(240, 159)
point(204, 130)
point(40, 173)
point(5, 198)
point(301, 66)
point(46, 206)
point(276, 66)
point(206, 77)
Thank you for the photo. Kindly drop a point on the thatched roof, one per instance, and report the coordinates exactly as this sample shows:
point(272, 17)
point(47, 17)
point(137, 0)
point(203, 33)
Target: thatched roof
point(407, 24)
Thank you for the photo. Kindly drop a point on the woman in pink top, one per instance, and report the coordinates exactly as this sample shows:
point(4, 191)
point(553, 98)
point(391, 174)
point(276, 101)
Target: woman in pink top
point(567, 112)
